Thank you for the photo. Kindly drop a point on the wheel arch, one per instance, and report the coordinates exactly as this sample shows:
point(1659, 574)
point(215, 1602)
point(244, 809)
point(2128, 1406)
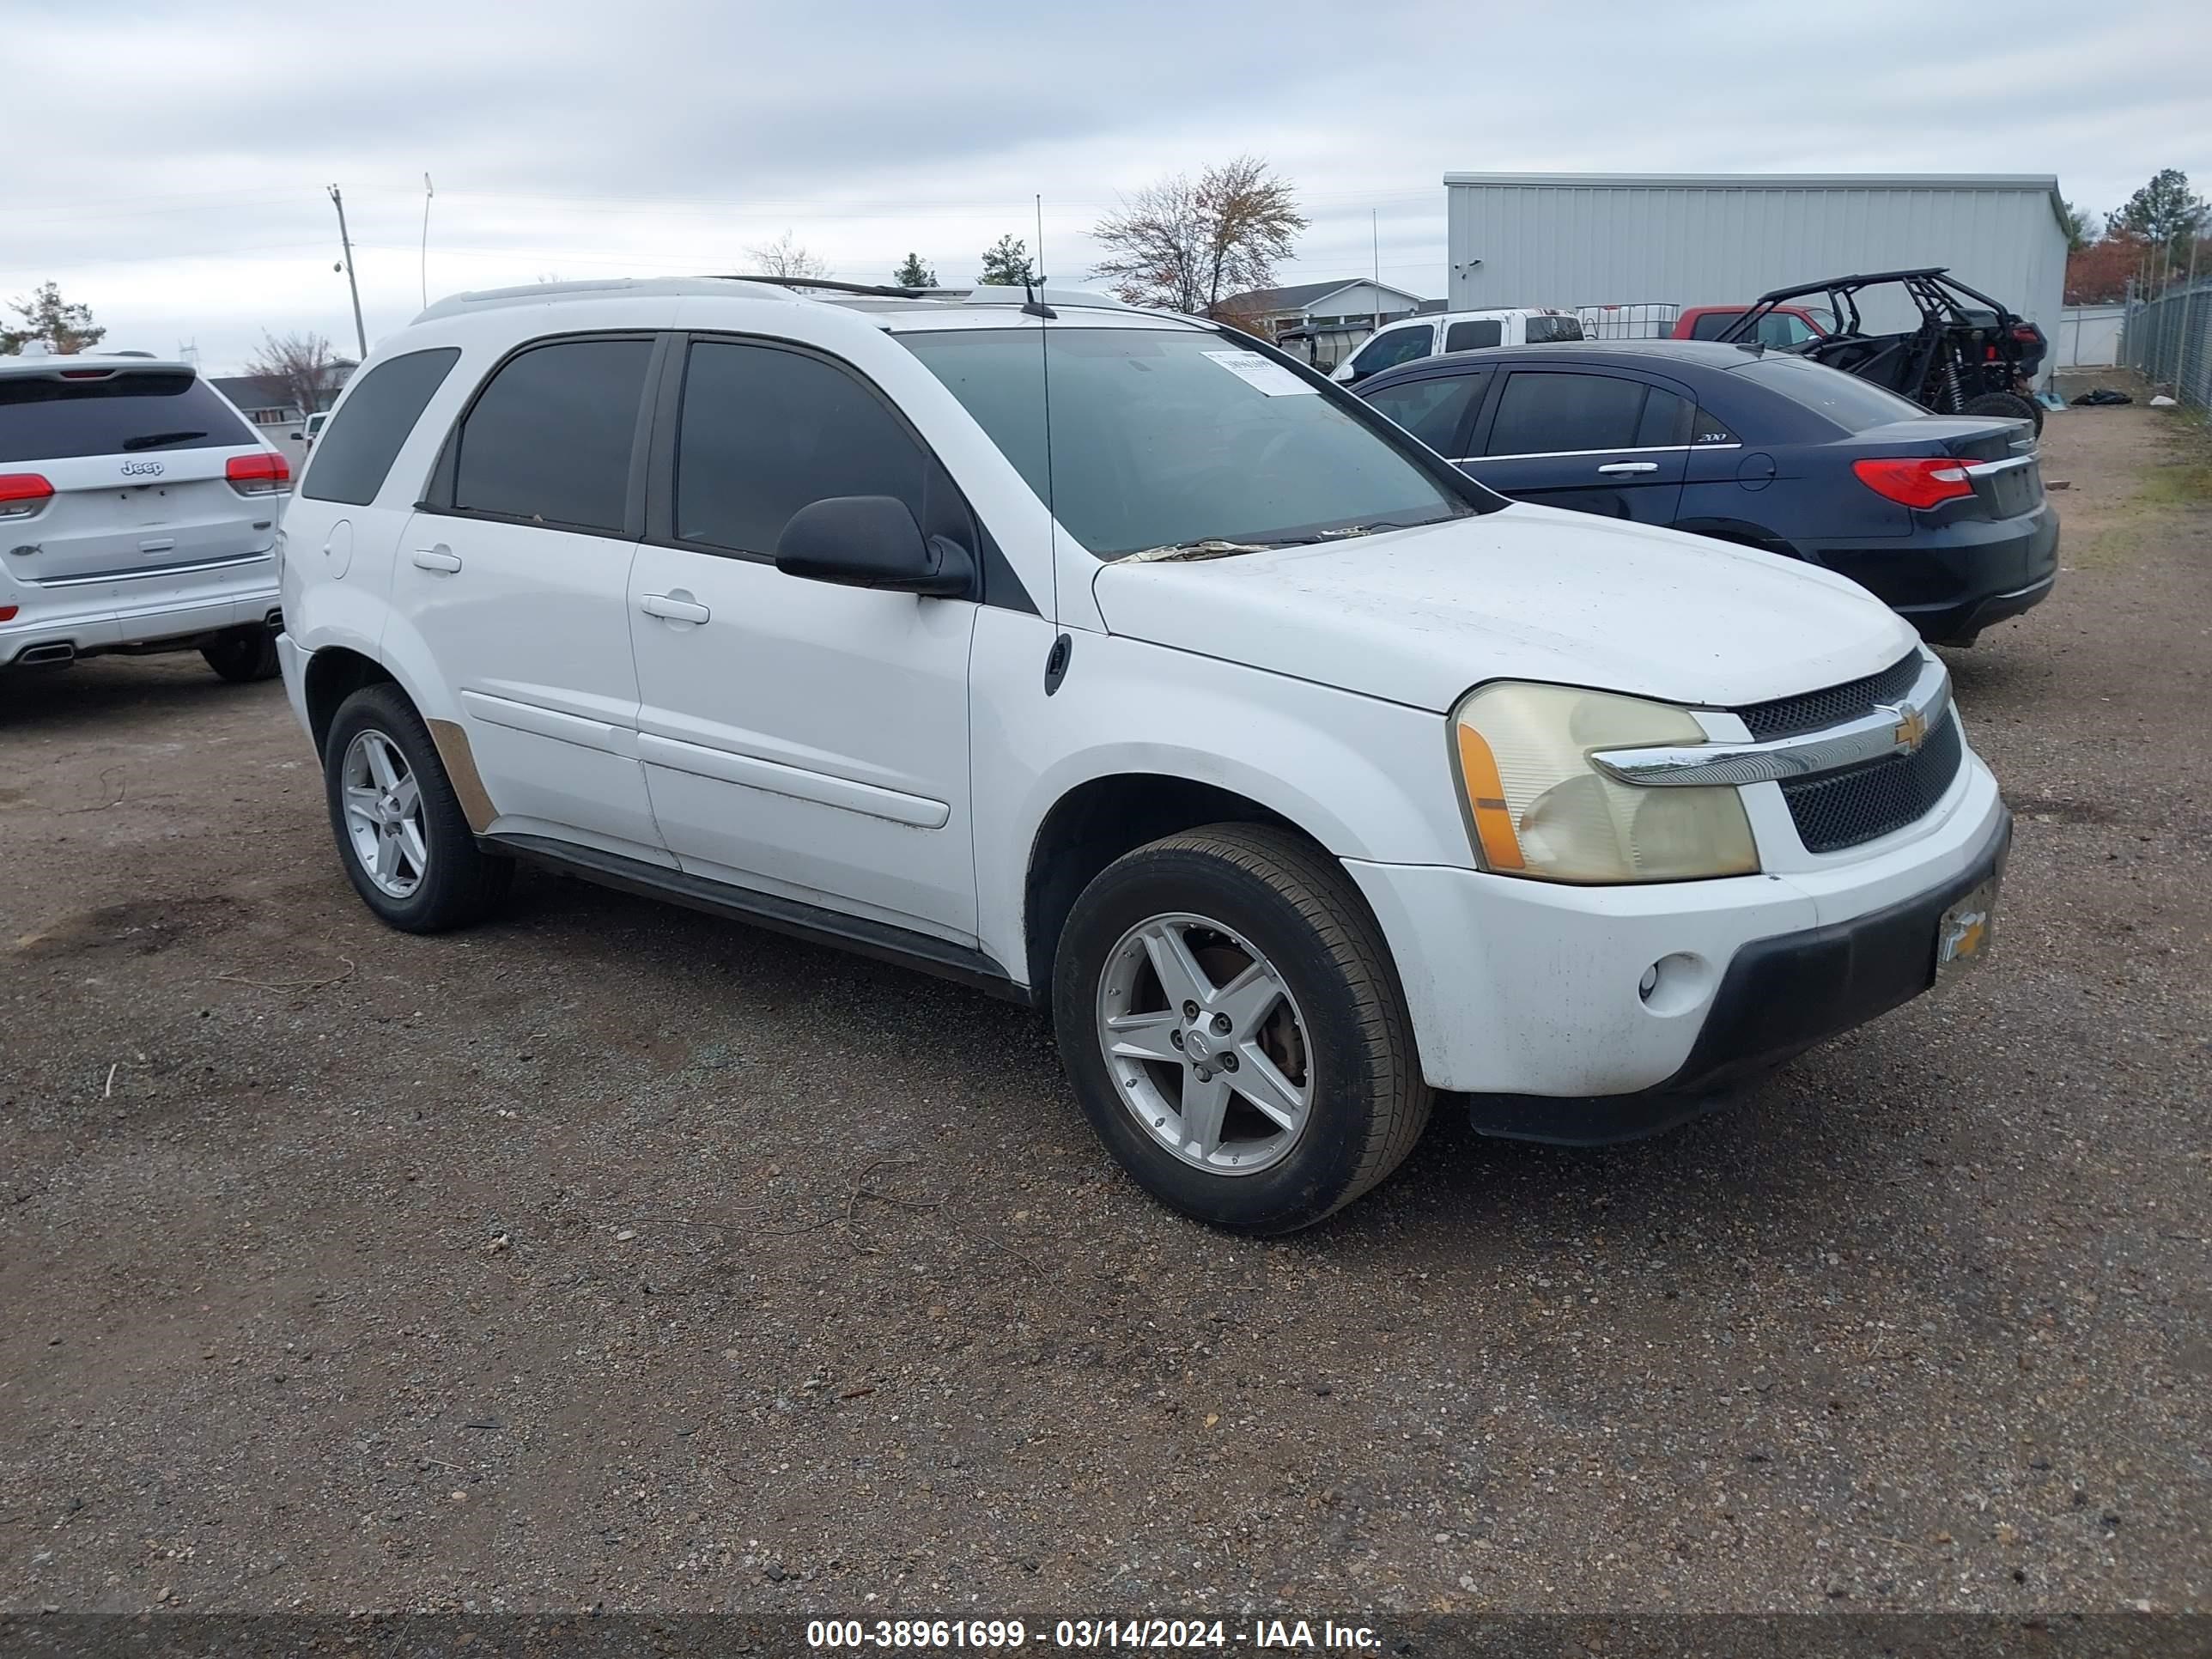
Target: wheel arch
point(1098, 821)
point(333, 674)
point(1741, 532)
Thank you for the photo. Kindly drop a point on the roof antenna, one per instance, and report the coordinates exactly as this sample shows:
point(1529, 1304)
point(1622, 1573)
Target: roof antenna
point(1034, 280)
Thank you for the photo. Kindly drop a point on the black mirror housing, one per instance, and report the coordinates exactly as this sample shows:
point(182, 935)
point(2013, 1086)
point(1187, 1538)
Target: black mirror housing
point(871, 541)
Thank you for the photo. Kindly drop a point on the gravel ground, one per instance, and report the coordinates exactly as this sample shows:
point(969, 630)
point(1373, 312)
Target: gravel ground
point(612, 1255)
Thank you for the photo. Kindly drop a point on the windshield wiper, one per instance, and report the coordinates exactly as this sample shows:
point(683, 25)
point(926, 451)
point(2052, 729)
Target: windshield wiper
point(1221, 550)
point(1207, 550)
point(156, 439)
point(1344, 530)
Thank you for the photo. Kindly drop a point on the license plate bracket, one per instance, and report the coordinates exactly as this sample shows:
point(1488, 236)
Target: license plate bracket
point(1966, 932)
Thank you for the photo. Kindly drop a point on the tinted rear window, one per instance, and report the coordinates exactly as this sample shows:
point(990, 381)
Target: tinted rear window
point(137, 410)
point(551, 435)
point(1547, 414)
point(1549, 331)
point(1431, 409)
point(1853, 404)
point(354, 451)
point(1712, 325)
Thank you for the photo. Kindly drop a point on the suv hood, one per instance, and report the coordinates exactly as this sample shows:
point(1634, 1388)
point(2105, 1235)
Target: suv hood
point(1526, 593)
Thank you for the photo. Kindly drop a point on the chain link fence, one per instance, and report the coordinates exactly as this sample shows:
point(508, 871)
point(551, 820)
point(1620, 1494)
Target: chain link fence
point(2169, 342)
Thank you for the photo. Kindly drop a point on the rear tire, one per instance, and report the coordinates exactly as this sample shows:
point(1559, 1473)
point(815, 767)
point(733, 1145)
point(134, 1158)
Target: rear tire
point(406, 845)
point(1310, 1096)
point(243, 654)
point(2007, 405)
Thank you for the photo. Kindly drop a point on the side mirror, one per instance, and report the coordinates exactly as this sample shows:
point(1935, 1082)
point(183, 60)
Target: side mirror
point(871, 541)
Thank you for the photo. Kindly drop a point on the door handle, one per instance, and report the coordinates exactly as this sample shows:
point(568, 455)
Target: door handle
point(440, 557)
point(670, 608)
point(1614, 468)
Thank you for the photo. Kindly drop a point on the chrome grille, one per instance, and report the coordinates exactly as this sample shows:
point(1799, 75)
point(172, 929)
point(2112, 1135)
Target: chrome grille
point(1836, 810)
point(1810, 711)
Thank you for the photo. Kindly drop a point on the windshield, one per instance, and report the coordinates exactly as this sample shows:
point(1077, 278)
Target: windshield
point(1853, 404)
point(1168, 437)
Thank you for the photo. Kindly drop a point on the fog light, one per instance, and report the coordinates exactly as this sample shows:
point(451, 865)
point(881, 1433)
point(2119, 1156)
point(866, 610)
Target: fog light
point(1677, 983)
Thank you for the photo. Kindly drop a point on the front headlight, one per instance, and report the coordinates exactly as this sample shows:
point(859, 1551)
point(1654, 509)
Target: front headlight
point(1540, 809)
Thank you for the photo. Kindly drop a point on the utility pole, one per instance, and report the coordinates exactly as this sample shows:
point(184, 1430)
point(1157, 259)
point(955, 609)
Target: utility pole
point(1375, 247)
point(360, 333)
point(427, 194)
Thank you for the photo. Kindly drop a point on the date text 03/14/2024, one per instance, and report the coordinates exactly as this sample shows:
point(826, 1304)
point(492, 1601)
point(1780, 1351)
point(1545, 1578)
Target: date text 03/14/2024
point(1162, 1634)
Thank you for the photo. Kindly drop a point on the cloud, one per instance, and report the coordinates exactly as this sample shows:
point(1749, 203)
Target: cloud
point(186, 200)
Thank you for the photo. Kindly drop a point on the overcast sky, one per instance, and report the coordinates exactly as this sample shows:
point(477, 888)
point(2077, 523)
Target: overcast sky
point(166, 163)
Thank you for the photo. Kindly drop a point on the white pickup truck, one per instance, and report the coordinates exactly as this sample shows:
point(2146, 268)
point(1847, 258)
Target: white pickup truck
point(1455, 331)
point(1098, 658)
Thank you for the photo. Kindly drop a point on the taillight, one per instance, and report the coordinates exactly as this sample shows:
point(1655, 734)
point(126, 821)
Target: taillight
point(22, 494)
point(265, 474)
point(2025, 334)
point(1916, 480)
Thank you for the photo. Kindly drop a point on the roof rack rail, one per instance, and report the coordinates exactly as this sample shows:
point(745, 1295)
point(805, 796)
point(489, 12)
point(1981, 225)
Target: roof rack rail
point(876, 289)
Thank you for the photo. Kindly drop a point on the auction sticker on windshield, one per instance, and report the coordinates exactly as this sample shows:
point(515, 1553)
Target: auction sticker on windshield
point(1255, 370)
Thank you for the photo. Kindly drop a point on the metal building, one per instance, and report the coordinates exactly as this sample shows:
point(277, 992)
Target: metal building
point(1577, 240)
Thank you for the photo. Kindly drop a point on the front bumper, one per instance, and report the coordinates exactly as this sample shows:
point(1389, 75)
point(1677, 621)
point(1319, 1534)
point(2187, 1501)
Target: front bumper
point(1779, 997)
point(1532, 989)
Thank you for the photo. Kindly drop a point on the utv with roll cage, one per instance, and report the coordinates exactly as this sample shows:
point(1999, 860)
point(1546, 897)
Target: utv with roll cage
point(1970, 355)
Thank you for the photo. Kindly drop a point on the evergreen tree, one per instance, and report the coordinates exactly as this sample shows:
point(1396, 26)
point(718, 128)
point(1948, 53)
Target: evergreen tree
point(1007, 264)
point(2165, 212)
point(64, 328)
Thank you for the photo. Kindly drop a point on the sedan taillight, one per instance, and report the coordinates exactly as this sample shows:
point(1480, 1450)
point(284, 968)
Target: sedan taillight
point(265, 474)
point(22, 494)
point(1916, 480)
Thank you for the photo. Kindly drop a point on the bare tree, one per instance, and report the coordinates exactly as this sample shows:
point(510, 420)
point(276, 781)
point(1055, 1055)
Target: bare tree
point(1190, 246)
point(298, 367)
point(785, 258)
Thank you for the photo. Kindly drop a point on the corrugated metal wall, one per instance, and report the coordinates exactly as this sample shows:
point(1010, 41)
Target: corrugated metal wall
point(1694, 243)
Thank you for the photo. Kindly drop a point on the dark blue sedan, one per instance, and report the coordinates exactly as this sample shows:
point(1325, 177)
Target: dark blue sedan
point(1943, 517)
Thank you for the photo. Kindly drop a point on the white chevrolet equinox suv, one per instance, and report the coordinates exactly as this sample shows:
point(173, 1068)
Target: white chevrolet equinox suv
point(138, 514)
point(1110, 661)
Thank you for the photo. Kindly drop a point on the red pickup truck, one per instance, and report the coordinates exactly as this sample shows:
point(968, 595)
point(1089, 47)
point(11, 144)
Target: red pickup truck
point(1785, 325)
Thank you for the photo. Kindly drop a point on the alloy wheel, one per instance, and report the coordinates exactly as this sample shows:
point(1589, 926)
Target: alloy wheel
point(384, 814)
point(1205, 1044)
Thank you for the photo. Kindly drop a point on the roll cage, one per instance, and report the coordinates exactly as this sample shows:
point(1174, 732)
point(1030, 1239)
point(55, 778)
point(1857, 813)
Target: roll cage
point(1933, 291)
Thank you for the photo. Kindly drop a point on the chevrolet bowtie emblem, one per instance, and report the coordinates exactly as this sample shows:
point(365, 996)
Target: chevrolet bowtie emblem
point(1912, 726)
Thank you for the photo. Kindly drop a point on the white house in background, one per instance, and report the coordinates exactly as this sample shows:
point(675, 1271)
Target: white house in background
point(1325, 322)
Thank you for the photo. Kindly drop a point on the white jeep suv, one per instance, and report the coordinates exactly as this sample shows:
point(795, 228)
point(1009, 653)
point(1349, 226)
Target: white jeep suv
point(139, 512)
point(1096, 657)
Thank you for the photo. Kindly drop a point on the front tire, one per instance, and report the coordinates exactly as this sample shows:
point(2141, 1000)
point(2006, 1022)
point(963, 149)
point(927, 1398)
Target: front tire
point(1229, 1012)
point(402, 836)
point(243, 655)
